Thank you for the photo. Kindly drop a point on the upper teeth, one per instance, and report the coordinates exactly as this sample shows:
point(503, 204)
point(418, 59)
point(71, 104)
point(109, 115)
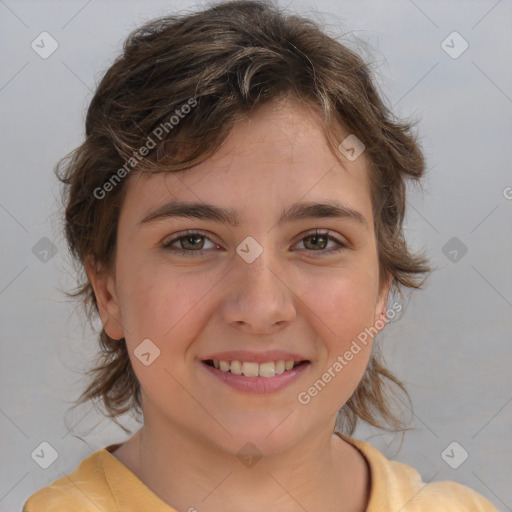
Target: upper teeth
point(251, 369)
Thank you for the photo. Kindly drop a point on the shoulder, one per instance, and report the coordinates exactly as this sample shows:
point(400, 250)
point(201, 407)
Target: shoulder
point(395, 485)
point(84, 490)
point(455, 496)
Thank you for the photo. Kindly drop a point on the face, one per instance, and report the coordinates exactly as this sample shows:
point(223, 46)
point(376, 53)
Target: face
point(263, 289)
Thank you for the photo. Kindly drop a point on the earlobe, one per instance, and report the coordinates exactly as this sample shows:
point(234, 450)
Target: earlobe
point(106, 298)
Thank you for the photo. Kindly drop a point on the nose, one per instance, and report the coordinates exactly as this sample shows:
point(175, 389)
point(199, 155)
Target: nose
point(261, 297)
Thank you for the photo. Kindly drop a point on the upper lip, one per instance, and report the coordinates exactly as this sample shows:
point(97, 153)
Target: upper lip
point(255, 357)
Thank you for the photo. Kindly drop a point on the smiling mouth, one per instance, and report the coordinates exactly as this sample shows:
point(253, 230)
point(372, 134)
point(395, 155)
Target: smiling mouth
point(253, 369)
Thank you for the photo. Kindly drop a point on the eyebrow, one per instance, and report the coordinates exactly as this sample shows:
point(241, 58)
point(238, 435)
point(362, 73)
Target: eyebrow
point(297, 211)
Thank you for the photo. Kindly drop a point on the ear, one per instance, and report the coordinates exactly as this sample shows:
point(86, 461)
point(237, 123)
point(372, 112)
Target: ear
point(104, 288)
point(380, 317)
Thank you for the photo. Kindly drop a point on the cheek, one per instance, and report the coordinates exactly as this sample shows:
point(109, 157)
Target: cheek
point(160, 302)
point(163, 306)
point(343, 304)
point(342, 312)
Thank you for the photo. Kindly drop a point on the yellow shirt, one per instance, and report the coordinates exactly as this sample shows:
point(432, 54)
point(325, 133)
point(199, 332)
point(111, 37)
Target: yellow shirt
point(103, 483)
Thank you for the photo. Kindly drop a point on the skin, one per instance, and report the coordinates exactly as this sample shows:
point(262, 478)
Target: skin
point(293, 297)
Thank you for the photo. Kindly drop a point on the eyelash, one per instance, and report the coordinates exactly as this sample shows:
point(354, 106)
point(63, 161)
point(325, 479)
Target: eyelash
point(190, 253)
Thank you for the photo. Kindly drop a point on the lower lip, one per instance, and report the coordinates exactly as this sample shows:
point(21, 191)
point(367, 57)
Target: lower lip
point(258, 384)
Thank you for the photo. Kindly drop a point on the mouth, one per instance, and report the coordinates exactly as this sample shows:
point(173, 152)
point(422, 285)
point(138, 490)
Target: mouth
point(254, 369)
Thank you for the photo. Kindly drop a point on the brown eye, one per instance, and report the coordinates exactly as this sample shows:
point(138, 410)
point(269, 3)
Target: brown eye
point(318, 242)
point(190, 243)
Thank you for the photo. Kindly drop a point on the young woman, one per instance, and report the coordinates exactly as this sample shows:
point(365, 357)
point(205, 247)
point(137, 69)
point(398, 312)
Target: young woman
point(237, 207)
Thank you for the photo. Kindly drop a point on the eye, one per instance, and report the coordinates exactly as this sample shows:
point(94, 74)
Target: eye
point(191, 243)
point(320, 239)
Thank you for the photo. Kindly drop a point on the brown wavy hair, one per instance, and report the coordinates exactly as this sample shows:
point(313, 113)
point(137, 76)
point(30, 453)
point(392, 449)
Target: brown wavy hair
point(229, 59)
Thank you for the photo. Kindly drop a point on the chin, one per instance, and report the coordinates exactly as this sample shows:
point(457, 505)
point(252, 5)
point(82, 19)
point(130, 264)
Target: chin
point(269, 435)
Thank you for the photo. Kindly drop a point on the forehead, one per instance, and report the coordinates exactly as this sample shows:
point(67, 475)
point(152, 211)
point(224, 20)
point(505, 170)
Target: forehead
point(275, 156)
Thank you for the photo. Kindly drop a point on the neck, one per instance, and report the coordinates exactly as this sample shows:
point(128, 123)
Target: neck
point(320, 472)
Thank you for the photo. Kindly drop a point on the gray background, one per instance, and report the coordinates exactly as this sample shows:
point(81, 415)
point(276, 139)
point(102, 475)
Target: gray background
point(451, 347)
